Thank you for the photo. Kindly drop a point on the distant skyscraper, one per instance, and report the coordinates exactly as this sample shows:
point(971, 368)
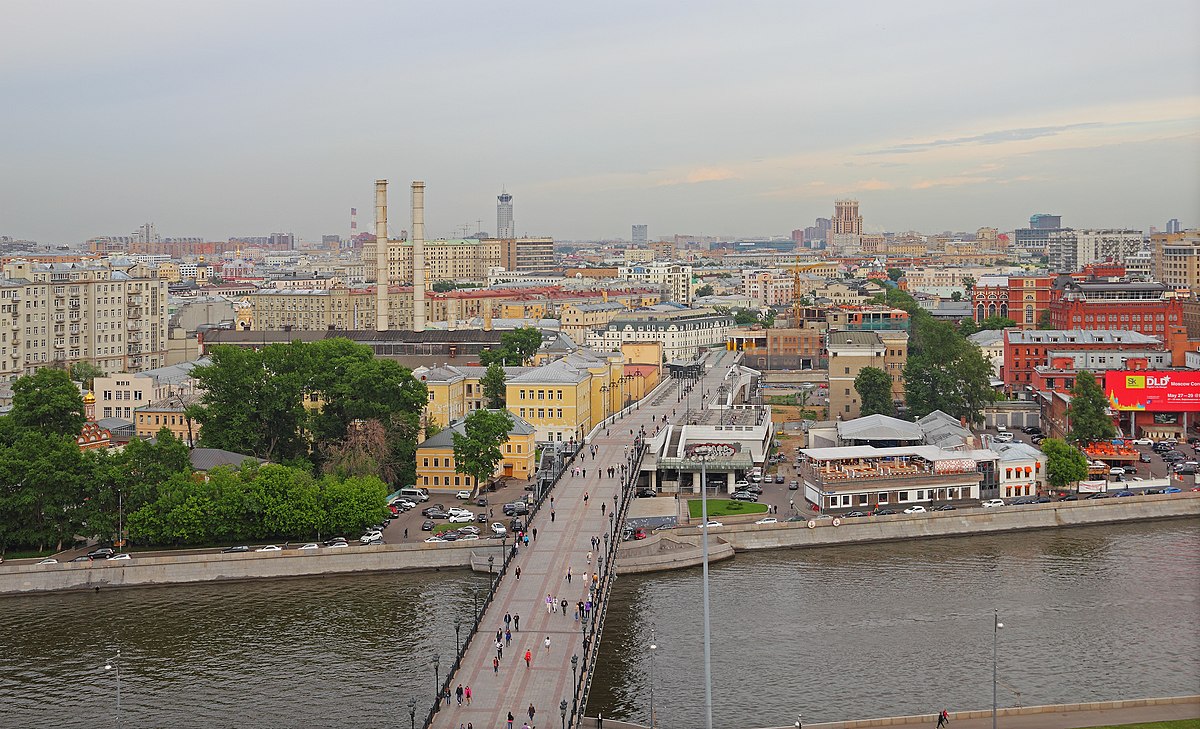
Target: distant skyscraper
point(845, 232)
point(504, 216)
point(1173, 225)
point(1042, 221)
point(639, 235)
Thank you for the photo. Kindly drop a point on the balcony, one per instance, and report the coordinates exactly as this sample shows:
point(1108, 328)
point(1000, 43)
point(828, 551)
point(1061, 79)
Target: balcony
point(134, 313)
point(133, 326)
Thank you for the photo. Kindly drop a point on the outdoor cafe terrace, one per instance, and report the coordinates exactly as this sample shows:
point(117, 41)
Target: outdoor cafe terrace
point(852, 466)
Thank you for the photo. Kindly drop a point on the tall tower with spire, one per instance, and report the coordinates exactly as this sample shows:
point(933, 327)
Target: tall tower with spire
point(504, 215)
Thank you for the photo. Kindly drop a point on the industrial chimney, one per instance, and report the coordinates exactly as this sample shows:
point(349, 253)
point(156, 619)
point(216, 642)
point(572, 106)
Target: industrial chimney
point(381, 256)
point(418, 243)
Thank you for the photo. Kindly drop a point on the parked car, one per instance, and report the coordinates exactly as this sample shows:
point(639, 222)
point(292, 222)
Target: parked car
point(101, 553)
point(469, 530)
point(499, 529)
point(744, 496)
point(1003, 437)
point(767, 520)
point(310, 545)
point(1099, 495)
point(854, 514)
point(428, 525)
point(372, 536)
point(993, 502)
point(434, 540)
point(1118, 471)
point(1143, 441)
point(481, 501)
point(239, 548)
point(1021, 501)
point(916, 509)
point(1031, 429)
point(269, 548)
point(884, 512)
point(1144, 458)
point(645, 493)
point(466, 518)
point(711, 523)
point(1122, 494)
point(944, 507)
point(741, 485)
point(464, 495)
point(1172, 490)
point(438, 514)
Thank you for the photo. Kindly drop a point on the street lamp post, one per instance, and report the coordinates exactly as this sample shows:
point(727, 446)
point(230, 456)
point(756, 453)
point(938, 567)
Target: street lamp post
point(704, 458)
point(475, 601)
point(612, 525)
point(996, 626)
point(653, 647)
point(562, 710)
point(575, 684)
point(457, 645)
point(412, 713)
point(113, 665)
point(437, 681)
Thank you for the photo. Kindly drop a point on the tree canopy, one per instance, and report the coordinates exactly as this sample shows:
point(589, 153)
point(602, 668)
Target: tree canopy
point(997, 322)
point(705, 290)
point(874, 388)
point(85, 372)
point(1086, 412)
point(442, 287)
point(516, 348)
point(895, 274)
point(49, 401)
point(1065, 464)
point(477, 451)
point(493, 384)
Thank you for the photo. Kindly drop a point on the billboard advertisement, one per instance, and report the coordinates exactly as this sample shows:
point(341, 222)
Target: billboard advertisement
point(1153, 390)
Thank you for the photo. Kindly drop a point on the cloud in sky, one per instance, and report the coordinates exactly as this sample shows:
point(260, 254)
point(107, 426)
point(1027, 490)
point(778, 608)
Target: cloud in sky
point(225, 118)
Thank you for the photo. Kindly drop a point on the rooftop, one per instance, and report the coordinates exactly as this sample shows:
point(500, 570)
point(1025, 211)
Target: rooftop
point(1079, 336)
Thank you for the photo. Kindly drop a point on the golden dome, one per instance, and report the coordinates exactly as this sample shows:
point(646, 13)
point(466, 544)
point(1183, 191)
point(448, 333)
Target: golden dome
point(89, 398)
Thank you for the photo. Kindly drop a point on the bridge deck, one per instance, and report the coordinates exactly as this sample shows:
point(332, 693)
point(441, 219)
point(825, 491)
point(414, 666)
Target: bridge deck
point(561, 544)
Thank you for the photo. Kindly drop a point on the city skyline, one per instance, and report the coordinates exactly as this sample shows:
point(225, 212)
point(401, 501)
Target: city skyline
point(715, 121)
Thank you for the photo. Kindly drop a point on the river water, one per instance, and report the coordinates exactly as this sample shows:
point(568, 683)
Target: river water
point(850, 632)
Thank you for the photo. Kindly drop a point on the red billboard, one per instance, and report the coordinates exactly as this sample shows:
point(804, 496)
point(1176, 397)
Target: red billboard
point(1153, 391)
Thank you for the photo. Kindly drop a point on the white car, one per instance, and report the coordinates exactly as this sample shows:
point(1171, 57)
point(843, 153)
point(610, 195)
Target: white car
point(1118, 471)
point(310, 545)
point(467, 538)
point(918, 509)
point(498, 529)
point(49, 560)
point(119, 556)
point(1143, 441)
point(767, 520)
point(374, 536)
point(741, 485)
point(459, 511)
point(336, 545)
point(1003, 437)
point(464, 495)
point(434, 540)
point(711, 523)
point(993, 502)
point(461, 518)
point(269, 548)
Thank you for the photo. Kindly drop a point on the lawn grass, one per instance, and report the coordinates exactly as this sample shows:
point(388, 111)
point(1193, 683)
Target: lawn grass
point(1176, 724)
point(725, 507)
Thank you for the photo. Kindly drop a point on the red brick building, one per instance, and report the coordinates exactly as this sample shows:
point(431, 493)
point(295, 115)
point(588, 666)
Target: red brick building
point(1025, 351)
point(1149, 308)
point(1020, 298)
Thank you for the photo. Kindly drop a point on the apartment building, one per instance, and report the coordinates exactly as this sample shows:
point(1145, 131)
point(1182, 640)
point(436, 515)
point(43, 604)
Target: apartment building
point(674, 279)
point(1069, 250)
point(121, 395)
point(1149, 308)
point(683, 332)
point(58, 314)
point(771, 287)
point(1176, 259)
point(437, 470)
point(576, 320)
point(455, 390)
point(850, 352)
point(463, 259)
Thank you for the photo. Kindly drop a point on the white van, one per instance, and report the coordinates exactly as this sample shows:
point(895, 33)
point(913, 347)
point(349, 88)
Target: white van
point(412, 493)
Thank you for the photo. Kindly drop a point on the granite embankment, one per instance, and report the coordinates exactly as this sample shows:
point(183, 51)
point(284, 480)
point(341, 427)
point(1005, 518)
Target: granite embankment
point(674, 549)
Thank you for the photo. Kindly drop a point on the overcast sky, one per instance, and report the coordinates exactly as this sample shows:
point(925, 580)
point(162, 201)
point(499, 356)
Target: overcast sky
point(724, 118)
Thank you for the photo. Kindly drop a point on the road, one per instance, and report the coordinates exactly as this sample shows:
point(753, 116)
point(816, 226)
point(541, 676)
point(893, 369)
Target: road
point(563, 543)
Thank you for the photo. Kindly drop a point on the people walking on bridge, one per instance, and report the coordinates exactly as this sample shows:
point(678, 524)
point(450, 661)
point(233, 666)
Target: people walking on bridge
point(943, 719)
point(563, 605)
point(549, 604)
point(507, 638)
point(547, 644)
point(552, 515)
point(534, 530)
point(458, 693)
point(507, 619)
point(511, 718)
point(499, 649)
point(467, 695)
point(602, 506)
point(499, 634)
point(589, 557)
point(532, 711)
point(517, 622)
point(528, 657)
point(568, 575)
point(518, 572)
point(495, 665)
point(585, 497)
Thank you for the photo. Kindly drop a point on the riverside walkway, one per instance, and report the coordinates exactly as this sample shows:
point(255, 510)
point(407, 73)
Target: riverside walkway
point(563, 543)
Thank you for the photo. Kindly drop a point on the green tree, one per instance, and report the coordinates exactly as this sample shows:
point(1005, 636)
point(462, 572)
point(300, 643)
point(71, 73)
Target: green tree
point(967, 327)
point(997, 322)
point(477, 450)
point(705, 290)
point(874, 388)
point(493, 386)
point(523, 342)
point(895, 274)
point(947, 373)
point(745, 317)
point(956, 296)
point(1065, 464)
point(442, 287)
point(1044, 321)
point(48, 401)
point(968, 282)
point(42, 488)
point(1089, 422)
point(85, 372)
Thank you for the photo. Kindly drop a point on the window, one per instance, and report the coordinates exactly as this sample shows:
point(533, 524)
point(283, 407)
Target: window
point(883, 497)
point(426, 463)
point(437, 463)
point(902, 496)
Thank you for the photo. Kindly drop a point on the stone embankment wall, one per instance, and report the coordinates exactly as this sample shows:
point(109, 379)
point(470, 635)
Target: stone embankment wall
point(200, 566)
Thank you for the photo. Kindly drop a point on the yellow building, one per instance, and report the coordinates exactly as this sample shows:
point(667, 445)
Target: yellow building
point(436, 469)
point(576, 320)
point(167, 413)
point(455, 391)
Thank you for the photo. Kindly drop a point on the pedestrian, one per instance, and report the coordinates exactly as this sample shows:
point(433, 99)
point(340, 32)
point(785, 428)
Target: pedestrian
point(495, 665)
point(517, 622)
point(549, 604)
point(563, 604)
point(406, 532)
point(528, 657)
point(585, 497)
point(579, 609)
point(535, 534)
point(552, 515)
point(587, 608)
point(943, 719)
point(458, 693)
point(589, 557)
point(518, 572)
point(551, 502)
point(526, 540)
point(507, 638)
point(499, 634)
point(467, 694)
point(507, 619)
point(547, 644)
point(602, 505)
point(510, 720)
point(585, 473)
point(568, 575)
point(532, 711)
point(499, 649)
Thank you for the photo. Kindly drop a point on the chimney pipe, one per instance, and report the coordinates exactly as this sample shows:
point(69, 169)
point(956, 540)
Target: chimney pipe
point(418, 233)
point(381, 256)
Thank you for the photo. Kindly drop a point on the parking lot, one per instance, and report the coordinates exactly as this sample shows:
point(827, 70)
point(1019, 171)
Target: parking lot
point(407, 527)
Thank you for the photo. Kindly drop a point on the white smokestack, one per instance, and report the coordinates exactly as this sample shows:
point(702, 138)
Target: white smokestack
point(418, 234)
point(381, 256)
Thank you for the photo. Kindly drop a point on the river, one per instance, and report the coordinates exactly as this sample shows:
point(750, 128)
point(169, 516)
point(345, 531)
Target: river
point(850, 632)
